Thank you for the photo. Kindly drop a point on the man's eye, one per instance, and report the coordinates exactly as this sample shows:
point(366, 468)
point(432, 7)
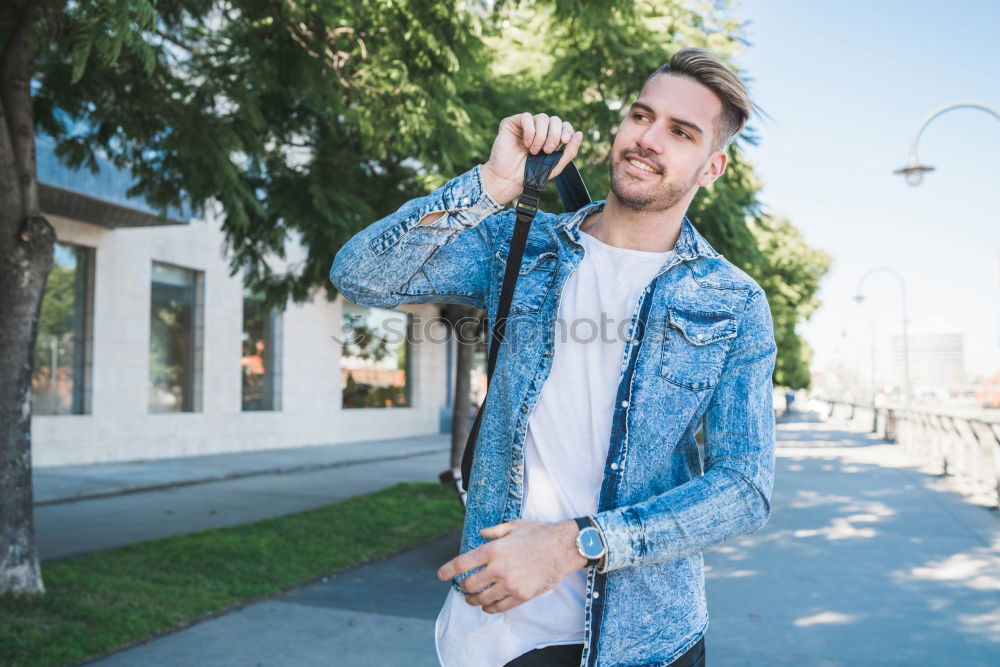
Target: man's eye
point(638, 115)
point(683, 134)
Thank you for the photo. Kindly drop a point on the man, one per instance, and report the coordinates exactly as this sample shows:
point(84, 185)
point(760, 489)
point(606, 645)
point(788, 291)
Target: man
point(589, 505)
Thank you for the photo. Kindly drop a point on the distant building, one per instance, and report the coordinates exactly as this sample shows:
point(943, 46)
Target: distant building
point(147, 348)
point(937, 362)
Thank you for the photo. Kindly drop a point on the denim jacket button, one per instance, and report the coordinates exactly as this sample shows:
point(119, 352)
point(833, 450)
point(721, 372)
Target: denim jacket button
point(614, 466)
point(596, 594)
point(525, 409)
point(624, 404)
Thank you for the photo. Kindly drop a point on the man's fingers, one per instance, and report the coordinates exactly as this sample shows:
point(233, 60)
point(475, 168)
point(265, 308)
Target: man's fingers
point(502, 605)
point(569, 153)
point(462, 563)
point(554, 134)
point(541, 131)
point(482, 579)
point(527, 123)
point(487, 597)
point(499, 530)
point(567, 132)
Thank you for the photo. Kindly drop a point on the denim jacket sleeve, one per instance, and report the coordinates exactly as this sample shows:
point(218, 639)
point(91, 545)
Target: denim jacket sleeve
point(733, 496)
point(395, 260)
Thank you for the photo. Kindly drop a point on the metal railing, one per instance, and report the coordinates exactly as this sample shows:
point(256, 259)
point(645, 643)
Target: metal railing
point(963, 446)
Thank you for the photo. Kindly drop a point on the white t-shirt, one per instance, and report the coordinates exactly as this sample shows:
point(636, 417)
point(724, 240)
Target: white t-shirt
point(565, 449)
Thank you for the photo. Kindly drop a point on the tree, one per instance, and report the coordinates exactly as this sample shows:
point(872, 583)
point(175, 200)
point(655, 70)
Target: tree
point(25, 259)
point(300, 121)
point(294, 121)
point(790, 276)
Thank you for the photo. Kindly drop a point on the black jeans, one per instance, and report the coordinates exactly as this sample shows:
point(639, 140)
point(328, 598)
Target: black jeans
point(569, 655)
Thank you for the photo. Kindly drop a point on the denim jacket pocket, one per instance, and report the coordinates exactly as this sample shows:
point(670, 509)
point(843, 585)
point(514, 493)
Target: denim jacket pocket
point(694, 347)
point(534, 279)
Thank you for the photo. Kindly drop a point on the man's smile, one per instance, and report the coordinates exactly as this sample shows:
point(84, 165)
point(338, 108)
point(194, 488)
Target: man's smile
point(638, 167)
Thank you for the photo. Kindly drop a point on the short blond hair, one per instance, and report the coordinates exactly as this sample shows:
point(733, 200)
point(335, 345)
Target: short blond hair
point(702, 66)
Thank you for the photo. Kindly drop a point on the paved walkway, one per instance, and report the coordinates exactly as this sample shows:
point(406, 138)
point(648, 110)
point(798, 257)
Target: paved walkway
point(93, 507)
point(864, 561)
point(61, 484)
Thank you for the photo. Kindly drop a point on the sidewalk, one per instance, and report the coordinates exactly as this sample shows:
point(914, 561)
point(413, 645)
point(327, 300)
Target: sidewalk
point(94, 507)
point(59, 484)
point(864, 561)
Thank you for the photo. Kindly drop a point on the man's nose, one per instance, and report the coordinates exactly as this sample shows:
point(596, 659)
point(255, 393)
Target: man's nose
point(653, 140)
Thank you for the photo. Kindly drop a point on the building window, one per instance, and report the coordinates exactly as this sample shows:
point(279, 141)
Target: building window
point(259, 360)
point(374, 363)
point(58, 379)
point(174, 347)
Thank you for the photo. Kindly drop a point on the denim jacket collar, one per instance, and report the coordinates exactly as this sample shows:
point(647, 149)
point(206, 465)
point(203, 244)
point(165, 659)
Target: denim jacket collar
point(690, 244)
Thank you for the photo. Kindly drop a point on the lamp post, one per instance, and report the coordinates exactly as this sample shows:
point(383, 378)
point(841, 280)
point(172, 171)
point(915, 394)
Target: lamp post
point(871, 332)
point(906, 338)
point(871, 349)
point(914, 171)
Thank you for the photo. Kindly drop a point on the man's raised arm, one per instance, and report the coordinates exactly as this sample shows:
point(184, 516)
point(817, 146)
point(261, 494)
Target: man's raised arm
point(433, 249)
point(430, 250)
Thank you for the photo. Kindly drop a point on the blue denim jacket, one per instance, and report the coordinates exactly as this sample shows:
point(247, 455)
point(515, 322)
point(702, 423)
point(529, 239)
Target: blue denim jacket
point(699, 356)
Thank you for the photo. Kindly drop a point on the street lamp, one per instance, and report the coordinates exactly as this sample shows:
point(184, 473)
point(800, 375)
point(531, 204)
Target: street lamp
point(871, 332)
point(859, 297)
point(914, 171)
point(871, 348)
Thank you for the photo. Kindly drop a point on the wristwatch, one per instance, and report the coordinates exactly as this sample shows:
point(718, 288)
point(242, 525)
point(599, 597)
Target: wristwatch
point(589, 542)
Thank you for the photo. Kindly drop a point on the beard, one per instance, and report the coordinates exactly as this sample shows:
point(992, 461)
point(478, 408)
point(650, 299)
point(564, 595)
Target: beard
point(651, 198)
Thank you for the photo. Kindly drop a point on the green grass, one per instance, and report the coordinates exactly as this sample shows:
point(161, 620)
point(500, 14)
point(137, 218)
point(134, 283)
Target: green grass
point(104, 601)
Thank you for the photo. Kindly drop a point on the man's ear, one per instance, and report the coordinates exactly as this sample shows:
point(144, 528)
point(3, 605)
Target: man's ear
point(714, 168)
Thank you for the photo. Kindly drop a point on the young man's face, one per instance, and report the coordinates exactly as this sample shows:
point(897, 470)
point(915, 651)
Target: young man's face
point(670, 128)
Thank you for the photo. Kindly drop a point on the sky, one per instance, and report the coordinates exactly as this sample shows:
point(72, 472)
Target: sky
point(847, 84)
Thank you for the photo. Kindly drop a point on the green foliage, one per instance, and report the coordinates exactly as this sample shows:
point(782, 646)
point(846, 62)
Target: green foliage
point(290, 120)
point(586, 62)
point(790, 276)
point(308, 120)
point(105, 601)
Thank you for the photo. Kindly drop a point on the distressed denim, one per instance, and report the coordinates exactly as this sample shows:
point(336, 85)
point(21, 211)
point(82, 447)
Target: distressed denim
point(699, 357)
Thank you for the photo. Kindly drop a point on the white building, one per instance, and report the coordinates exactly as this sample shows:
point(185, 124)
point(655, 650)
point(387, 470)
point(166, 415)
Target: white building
point(148, 348)
point(937, 361)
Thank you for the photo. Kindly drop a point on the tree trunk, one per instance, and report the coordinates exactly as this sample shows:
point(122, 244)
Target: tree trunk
point(22, 281)
point(26, 240)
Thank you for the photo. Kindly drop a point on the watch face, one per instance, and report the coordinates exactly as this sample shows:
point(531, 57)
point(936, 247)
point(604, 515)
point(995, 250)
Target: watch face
point(590, 543)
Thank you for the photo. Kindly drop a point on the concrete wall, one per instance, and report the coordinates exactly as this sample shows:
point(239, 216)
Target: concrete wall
point(119, 426)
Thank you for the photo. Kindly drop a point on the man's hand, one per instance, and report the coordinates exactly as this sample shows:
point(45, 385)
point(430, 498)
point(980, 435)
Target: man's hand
point(523, 560)
point(503, 173)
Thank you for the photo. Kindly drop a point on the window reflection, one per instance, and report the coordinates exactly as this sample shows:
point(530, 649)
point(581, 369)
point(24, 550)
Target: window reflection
point(257, 361)
point(375, 357)
point(172, 339)
point(57, 380)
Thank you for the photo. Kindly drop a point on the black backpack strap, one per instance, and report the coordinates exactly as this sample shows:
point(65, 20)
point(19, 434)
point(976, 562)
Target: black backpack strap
point(573, 192)
point(572, 189)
